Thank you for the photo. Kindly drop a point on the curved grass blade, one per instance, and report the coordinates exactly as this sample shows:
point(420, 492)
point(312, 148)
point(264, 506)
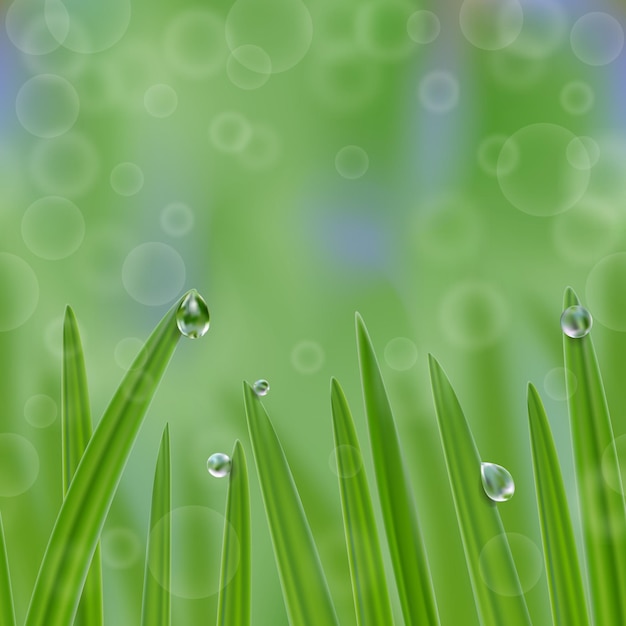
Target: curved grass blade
point(76, 431)
point(567, 594)
point(234, 601)
point(7, 612)
point(304, 585)
point(74, 537)
point(156, 608)
point(479, 519)
point(371, 598)
point(602, 509)
point(401, 524)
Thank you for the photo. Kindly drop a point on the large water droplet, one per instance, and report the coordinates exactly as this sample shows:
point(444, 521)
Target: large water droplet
point(193, 316)
point(497, 482)
point(576, 321)
point(218, 465)
point(261, 387)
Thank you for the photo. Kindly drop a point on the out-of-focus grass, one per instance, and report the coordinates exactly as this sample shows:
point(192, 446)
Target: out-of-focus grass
point(7, 612)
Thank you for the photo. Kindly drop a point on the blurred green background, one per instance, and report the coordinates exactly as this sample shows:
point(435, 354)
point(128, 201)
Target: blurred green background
point(446, 169)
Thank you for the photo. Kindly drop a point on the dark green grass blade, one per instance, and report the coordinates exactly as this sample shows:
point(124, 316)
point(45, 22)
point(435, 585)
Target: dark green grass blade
point(304, 585)
point(234, 600)
point(567, 593)
point(156, 609)
point(76, 430)
point(7, 612)
point(371, 598)
point(401, 524)
point(602, 509)
point(79, 523)
point(479, 519)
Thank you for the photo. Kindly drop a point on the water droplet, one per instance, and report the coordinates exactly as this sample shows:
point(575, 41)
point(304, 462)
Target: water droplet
point(193, 316)
point(576, 321)
point(218, 465)
point(497, 482)
point(261, 387)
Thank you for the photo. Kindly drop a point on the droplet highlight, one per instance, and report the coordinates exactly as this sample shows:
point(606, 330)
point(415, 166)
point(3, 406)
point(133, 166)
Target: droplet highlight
point(497, 482)
point(261, 387)
point(193, 318)
point(576, 321)
point(219, 465)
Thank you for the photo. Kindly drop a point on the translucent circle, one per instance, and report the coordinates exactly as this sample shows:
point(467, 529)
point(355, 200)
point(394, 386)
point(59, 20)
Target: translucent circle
point(47, 105)
point(400, 354)
point(19, 465)
point(606, 297)
point(195, 45)
point(87, 28)
point(195, 564)
point(308, 357)
point(350, 459)
point(423, 27)
point(577, 155)
point(543, 30)
point(597, 38)
point(249, 67)
point(352, 162)
point(230, 132)
point(489, 152)
point(126, 351)
point(127, 179)
point(153, 273)
point(614, 479)
point(608, 182)
point(283, 29)
point(27, 28)
point(587, 232)
point(40, 411)
point(65, 166)
point(262, 150)
point(59, 61)
point(544, 182)
point(576, 321)
point(491, 24)
point(381, 28)
point(177, 219)
point(474, 315)
point(219, 465)
point(528, 561)
point(560, 383)
point(20, 291)
point(53, 228)
point(577, 97)
point(121, 548)
point(439, 92)
point(591, 148)
point(160, 100)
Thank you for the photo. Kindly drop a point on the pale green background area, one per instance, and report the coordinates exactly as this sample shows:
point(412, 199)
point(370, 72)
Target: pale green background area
point(289, 234)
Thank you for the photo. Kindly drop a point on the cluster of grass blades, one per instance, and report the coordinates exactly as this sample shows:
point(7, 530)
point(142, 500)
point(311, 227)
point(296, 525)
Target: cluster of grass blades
point(68, 589)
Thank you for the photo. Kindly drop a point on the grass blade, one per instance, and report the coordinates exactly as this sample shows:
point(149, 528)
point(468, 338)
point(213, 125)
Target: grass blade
point(76, 430)
point(234, 601)
point(7, 612)
point(77, 529)
point(479, 519)
point(567, 593)
point(366, 565)
point(304, 585)
point(401, 524)
point(602, 509)
point(156, 609)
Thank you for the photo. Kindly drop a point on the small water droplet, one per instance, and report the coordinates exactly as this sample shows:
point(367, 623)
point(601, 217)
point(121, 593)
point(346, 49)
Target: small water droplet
point(497, 482)
point(192, 317)
point(261, 387)
point(576, 321)
point(218, 465)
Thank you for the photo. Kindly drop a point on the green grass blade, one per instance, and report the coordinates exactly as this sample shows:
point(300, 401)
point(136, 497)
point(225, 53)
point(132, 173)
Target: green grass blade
point(76, 430)
point(602, 509)
point(478, 516)
point(371, 598)
point(7, 612)
point(567, 593)
point(399, 513)
point(156, 608)
point(234, 600)
point(304, 585)
point(77, 529)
